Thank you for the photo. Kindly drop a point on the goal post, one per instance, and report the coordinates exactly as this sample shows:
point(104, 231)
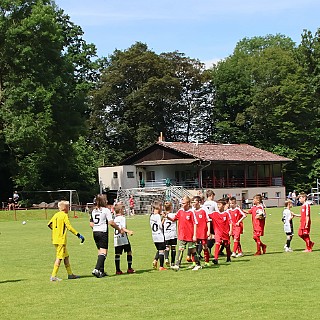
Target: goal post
point(49, 198)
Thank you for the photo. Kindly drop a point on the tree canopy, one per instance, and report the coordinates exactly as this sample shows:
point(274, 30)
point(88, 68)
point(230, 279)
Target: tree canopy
point(263, 97)
point(140, 94)
point(45, 74)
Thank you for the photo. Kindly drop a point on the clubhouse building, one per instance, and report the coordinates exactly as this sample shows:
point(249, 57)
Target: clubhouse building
point(240, 170)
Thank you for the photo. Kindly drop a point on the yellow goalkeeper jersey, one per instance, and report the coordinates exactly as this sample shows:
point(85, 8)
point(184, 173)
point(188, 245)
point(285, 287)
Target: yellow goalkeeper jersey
point(59, 224)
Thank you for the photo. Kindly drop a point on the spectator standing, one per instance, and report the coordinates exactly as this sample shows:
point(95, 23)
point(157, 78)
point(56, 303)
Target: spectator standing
point(131, 205)
point(294, 197)
point(15, 198)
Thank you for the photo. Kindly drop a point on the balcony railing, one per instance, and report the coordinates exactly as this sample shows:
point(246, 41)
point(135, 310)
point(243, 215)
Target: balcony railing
point(217, 183)
point(242, 182)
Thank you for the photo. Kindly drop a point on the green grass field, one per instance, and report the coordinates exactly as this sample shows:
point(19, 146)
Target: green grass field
point(277, 285)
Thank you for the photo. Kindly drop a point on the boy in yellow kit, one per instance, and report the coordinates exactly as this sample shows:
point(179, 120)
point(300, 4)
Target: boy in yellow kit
point(59, 224)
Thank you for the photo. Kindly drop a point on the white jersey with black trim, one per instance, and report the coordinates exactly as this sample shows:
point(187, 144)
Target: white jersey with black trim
point(211, 206)
point(100, 217)
point(156, 228)
point(170, 227)
point(120, 239)
point(287, 220)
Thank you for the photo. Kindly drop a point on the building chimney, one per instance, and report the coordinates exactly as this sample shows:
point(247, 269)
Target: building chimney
point(161, 137)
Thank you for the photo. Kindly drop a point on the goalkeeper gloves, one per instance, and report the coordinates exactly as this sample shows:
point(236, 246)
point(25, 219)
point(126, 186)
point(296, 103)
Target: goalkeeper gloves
point(81, 237)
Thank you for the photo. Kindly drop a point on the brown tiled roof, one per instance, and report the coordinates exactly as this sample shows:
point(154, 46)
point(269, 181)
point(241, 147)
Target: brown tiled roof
point(224, 152)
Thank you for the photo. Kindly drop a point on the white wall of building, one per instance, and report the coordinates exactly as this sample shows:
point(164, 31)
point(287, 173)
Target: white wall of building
point(114, 178)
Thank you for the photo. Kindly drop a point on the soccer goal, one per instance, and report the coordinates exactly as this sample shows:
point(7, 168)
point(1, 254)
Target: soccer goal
point(49, 199)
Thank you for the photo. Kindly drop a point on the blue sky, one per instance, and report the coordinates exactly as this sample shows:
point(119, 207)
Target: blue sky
point(204, 29)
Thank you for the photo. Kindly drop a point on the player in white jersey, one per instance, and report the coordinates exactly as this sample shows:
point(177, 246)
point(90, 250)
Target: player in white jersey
point(121, 241)
point(156, 224)
point(210, 206)
point(287, 216)
point(170, 234)
point(100, 218)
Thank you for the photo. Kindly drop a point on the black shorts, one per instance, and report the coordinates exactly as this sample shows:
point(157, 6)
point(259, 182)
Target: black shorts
point(171, 242)
point(101, 239)
point(160, 245)
point(120, 249)
point(289, 233)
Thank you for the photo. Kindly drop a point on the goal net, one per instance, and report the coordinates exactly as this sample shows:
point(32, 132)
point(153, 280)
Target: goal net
point(49, 199)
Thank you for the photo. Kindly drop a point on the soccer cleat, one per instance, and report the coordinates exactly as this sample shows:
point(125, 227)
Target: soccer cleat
point(130, 271)
point(119, 272)
point(215, 261)
point(73, 276)
point(288, 250)
point(103, 274)
point(162, 269)
point(264, 248)
point(307, 250)
point(240, 254)
point(188, 259)
point(207, 264)
point(155, 264)
point(55, 279)
point(233, 255)
point(97, 273)
point(258, 253)
point(175, 267)
point(196, 268)
point(167, 263)
point(94, 272)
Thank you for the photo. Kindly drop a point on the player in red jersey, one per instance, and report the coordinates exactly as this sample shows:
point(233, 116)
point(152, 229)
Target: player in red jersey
point(258, 222)
point(186, 233)
point(237, 216)
point(305, 222)
point(202, 228)
point(222, 229)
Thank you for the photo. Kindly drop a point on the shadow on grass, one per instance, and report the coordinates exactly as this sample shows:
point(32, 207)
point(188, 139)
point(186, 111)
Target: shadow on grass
point(251, 254)
point(116, 275)
point(8, 281)
point(237, 260)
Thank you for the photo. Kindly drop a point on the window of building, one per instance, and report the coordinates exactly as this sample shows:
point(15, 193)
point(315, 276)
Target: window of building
point(115, 175)
point(151, 176)
point(278, 194)
point(130, 174)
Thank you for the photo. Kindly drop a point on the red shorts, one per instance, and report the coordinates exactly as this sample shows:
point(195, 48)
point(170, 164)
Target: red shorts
point(219, 239)
point(236, 236)
point(236, 232)
point(258, 233)
point(303, 231)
